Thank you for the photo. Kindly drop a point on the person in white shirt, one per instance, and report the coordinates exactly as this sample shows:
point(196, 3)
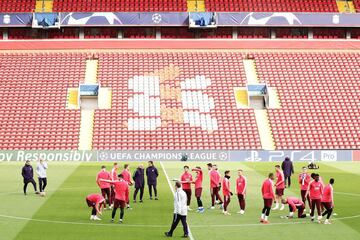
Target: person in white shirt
point(180, 211)
point(41, 172)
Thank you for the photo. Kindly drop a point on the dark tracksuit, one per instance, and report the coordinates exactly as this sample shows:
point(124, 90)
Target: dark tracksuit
point(152, 174)
point(139, 180)
point(288, 169)
point(28, 175)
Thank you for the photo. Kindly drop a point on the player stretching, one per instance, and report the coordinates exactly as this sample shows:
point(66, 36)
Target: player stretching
point(127, 177)
point(295, 204)
point(268, 196)
point(214, 185)
point(121, 188)
point(304, 181)
point(315, 192)
point(198, 188)
point(328, 200)
point(114, 177)
point(279, 188)
point(186, 180)
point(104, 186)
point(241, 183)
point(96, 202)
point(226, 191)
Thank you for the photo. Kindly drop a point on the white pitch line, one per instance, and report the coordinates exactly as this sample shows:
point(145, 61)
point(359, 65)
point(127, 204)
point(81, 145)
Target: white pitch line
point(162, 226)
point(173, 192)
point(349, 194)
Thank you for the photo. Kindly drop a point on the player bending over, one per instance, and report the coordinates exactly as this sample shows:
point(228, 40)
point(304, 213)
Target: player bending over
point(279, 188)
point(96, 202)
point(121, 188)
point(295, 204)
point(268, 196)
point(198, 188)
point(328, 200)
point(226, 192)
point(241, 183)
point(315, 192)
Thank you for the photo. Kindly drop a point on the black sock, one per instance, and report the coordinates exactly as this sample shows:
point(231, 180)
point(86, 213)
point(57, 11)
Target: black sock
point(113, 213)
point(121, 213)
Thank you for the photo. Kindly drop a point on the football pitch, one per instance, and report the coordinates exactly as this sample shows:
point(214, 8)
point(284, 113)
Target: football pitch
point(63, 213)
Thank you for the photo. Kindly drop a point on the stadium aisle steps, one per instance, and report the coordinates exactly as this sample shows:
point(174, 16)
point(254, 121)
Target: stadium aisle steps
point(86, 129)
point(264, 127)
point(250, 71)
point(87, 115)
point(345, 6)
point(196, 5)
point(261, 116)
point(91, 71)
point(274, 99)
point(44, 6)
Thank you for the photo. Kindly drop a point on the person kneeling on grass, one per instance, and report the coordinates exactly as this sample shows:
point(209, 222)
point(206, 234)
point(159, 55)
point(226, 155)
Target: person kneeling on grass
point(180, 211)
point(295, 204)
point(121, 188)
point(328, 200)
point(97, 202)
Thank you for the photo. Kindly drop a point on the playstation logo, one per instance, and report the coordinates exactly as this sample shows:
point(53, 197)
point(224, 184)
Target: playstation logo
point(254, 157)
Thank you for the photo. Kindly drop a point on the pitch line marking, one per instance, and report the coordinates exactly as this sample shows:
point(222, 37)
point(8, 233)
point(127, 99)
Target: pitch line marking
point(173, 192)
point(163, 226)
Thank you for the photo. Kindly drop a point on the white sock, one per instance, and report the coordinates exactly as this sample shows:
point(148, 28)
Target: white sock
point(262, 216)
point(266, 218)
point(291, 214)
point(277, 205)
point(282, 205)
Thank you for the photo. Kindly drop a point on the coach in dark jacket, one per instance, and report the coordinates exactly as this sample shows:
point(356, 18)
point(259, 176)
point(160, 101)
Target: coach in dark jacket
point(139, 180)
point(288, 169)
point(28, 175)
point(152, 174)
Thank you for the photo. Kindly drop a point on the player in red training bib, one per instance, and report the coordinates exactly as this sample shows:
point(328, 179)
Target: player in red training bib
point(268, 196)
point(304, 181)
point(198, 188)
point(186, 179)
point(328, 200)
point(121, 188)
point(127, 178)
point(241, 184)
point(96, 202)
point(114, 177)
point(295, 204)
point(214, 184)
point(279, 188)
point(315, 192)
point(104, 186)
point(226, 192)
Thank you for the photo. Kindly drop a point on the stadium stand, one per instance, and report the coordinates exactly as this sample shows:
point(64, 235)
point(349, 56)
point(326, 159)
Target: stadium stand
point(17, 6)
point(34, 88)
point(237, 127)
point(259, 32)
point(317, 92)
point(357, 5)
point(101, 32)
point(176, 32)
point(64, 33)
point(271, 6)
point(119, 6)
point(139, 32)
point(216, 33)
point(329, 33)
point(355, 33)
point(291, 32)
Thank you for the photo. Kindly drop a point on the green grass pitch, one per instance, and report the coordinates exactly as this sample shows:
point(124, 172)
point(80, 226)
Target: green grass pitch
point(63, 213)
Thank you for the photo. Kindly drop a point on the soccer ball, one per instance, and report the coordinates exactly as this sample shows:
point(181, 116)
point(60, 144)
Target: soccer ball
point(42, 194)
